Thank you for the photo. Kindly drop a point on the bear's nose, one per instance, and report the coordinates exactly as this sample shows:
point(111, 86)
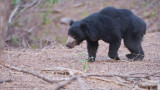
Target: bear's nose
point(71, 42)
point(69, 46)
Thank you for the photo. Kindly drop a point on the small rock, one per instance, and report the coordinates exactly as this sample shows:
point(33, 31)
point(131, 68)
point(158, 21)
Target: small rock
point(65, 20)
point(57, 10)
point(79, 5)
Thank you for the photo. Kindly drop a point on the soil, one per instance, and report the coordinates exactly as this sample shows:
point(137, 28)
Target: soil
point(60, 56)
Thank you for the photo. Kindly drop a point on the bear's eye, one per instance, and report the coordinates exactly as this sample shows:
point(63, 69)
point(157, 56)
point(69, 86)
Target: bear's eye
point(73, 36)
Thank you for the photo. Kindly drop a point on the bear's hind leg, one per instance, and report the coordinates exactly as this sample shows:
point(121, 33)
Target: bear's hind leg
point(134, 46)
point(92, 50)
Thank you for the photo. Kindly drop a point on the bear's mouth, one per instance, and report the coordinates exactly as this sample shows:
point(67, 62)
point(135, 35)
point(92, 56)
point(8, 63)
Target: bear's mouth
point(71, 42)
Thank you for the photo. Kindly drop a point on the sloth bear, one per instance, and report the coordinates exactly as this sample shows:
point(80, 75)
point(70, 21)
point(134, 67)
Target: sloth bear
point(110, 25)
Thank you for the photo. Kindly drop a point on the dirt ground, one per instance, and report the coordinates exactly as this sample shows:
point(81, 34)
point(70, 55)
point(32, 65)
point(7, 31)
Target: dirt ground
point(60, 56)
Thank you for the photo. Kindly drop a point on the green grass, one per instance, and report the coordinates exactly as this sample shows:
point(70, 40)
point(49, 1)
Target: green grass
point(84, 63)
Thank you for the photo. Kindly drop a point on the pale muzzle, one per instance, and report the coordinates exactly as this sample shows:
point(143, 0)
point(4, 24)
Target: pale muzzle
point(71, 42)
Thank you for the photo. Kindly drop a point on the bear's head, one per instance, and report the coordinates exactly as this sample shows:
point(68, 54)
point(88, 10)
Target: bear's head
point(76, 33)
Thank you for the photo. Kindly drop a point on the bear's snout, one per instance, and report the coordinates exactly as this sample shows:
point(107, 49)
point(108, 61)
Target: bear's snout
point(71, 42)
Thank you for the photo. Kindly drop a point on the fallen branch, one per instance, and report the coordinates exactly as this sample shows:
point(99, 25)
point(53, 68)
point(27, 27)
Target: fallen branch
point(116, 75)
point(148, 83)
point(147, 75)
point(62, 84)
point(5, 81)
point(140, 81)
point(96, 76)
point(31, 73)
point(109, 81)
point(81, 83)
point(62, 70)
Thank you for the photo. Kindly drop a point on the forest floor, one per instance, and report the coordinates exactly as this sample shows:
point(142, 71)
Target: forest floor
point(60, 56)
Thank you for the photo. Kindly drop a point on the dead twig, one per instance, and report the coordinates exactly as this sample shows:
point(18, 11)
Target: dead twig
point(81, 83)
point(148, 83)
point(62, 84)
point(5, 81)
point(147, 75)
point(116, 75)
point(62, 70)
point(109, 81)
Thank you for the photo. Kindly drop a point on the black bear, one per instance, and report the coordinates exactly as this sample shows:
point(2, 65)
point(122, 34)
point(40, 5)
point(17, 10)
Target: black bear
point(110, 25)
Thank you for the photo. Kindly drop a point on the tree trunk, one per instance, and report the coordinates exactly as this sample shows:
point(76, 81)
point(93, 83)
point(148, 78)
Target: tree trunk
point(4, 15)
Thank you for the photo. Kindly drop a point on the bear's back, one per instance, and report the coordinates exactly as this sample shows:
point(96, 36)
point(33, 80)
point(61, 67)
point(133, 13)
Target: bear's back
point(110, 11)
point(113, 12)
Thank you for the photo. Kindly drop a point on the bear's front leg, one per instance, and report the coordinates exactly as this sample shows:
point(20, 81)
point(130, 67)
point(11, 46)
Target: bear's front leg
point(92, 50)
point(113, 49)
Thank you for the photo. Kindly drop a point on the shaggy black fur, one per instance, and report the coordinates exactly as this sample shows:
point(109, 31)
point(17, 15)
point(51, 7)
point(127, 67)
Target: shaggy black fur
point(110, 25)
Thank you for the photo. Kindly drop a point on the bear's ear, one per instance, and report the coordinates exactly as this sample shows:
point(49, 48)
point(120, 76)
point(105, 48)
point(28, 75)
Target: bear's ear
point(71, 22)
point(83, 26)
